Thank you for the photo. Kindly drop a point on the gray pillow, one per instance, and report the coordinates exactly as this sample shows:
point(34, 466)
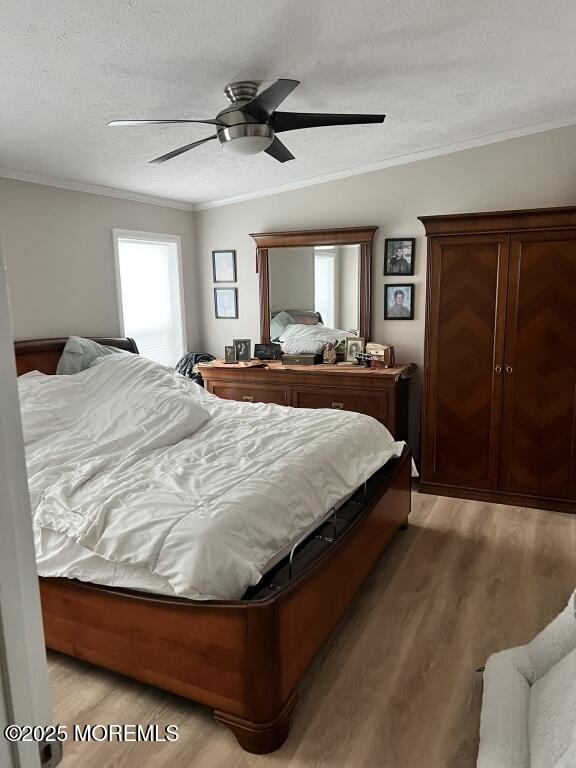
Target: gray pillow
point(79, 353)
point(279, 323)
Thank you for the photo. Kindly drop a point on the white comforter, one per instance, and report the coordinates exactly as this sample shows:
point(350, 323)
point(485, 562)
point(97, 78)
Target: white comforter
point(142, 467)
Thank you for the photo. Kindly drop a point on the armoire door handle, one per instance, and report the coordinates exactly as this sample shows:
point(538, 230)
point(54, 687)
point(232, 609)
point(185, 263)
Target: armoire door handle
point(509, 368)
point(498, 369)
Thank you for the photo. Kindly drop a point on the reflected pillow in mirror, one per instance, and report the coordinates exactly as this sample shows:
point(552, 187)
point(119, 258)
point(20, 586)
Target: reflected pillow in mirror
point(317, 332)
point(279, 323)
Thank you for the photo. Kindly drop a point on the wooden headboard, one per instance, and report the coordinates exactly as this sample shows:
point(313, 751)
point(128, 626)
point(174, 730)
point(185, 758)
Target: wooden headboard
point(43, 354)
point(302, 316)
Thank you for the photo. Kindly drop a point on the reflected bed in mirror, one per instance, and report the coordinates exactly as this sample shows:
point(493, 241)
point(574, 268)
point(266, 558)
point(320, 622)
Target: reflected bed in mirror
point(314, 284)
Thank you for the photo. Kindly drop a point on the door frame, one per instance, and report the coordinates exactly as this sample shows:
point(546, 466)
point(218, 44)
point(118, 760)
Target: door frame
point(24, 672)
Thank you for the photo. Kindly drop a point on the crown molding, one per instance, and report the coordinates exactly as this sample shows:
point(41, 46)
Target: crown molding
point(92, 189)
point(389, 162)
point(411, 157)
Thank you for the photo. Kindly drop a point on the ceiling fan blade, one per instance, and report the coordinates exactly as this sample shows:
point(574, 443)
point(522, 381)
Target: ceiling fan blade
point(292, 121)
point(114, 123)
point(180, 150)
point(278, 151)
point(264, 104)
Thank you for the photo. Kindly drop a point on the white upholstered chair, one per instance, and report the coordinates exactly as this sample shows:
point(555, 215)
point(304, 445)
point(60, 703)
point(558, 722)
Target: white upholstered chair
point(528, 715)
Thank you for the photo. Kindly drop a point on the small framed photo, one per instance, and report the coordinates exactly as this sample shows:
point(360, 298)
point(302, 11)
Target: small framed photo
point(354, 346)
point(230, 354)
point(224, 266)
point(243, 349)
point(399, 301)
point(399, 256)
point(226, 303)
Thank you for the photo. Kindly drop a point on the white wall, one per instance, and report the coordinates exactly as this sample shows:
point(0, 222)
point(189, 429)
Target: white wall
point(24, 691)
point(533, 171)
point(59, 252)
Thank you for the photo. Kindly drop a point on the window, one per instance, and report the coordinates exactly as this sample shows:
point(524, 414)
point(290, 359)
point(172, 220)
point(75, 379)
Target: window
point(324, 284)
point(150, 293)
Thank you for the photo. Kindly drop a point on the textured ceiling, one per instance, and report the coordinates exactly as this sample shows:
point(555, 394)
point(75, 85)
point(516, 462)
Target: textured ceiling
point(444, 71)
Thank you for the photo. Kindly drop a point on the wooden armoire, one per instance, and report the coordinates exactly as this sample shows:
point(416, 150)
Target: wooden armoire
point(499, 402)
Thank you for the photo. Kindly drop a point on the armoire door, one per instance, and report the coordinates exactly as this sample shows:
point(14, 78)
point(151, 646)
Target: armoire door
point(538, 442)
point(466, 307)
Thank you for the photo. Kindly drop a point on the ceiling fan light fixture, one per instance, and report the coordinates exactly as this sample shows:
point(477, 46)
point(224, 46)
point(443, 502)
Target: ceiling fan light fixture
point(247, 145)
point(246, 139)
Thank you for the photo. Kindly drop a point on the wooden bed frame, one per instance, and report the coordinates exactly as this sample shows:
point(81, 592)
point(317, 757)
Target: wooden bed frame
point(243, 658)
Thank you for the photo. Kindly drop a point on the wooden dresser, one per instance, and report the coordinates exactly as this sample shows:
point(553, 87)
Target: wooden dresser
point(378, 392)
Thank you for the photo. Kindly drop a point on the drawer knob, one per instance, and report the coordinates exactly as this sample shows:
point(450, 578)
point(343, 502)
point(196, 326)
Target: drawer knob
point(339, 406)
point(248, 398)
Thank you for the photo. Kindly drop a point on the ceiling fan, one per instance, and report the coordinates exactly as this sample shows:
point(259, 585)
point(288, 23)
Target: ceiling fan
point(251, 123)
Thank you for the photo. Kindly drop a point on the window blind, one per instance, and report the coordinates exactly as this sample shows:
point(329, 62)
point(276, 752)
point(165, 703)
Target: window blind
point(149, 283)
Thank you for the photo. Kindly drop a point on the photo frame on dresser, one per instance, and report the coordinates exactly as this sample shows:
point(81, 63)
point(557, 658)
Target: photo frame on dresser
point(243, 349)
point(354, 346)
point(230, 354)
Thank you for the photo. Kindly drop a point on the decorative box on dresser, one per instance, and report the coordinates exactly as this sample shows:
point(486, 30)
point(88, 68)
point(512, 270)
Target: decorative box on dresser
point(378, 392)
point(499, 406)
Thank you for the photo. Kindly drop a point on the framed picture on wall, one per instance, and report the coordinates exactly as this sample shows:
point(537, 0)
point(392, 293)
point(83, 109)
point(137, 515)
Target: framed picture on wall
point(399, 301)
point(226, 303)
point(224, 266)
point(399, 256)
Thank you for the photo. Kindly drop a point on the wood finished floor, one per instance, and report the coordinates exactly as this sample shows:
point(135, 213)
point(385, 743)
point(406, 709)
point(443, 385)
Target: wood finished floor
point(395, 686)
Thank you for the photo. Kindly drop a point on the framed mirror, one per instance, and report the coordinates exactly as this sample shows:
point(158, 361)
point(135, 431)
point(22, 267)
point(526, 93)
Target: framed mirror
point(315, 276)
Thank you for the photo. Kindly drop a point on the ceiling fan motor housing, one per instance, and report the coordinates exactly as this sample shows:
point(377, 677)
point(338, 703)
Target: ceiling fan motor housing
point(245, 90)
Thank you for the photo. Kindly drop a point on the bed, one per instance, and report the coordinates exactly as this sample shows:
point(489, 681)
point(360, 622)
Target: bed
point(300, 331)
point(243, 657)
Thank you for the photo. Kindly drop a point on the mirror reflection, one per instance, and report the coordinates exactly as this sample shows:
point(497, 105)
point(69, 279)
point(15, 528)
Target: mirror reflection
point(314, 286)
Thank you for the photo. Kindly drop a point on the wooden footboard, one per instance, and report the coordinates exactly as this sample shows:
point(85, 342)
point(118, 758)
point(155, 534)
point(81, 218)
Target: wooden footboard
point(243, 658)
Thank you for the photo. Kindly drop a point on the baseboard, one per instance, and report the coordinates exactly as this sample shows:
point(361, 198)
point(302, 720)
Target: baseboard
point(499, 497)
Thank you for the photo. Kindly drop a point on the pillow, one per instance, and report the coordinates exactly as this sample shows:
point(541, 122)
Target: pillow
point(79, 353)
point(318, 332)
point(278, 324)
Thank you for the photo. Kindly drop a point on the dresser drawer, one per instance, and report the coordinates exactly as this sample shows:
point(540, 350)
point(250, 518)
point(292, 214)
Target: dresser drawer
point(251, 393)
point(371, 403)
